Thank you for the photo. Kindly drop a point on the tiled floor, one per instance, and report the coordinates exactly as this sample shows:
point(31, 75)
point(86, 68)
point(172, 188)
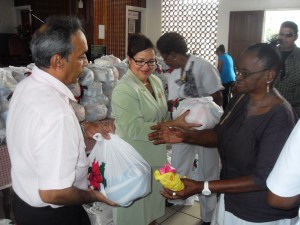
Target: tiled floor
point(181, 215)
point(175, 215)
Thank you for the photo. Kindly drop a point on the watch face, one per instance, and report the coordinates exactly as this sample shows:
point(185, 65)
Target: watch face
point(206, 192)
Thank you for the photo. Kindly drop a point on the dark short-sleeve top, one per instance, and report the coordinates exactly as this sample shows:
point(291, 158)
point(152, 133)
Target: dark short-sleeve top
point(250, 146)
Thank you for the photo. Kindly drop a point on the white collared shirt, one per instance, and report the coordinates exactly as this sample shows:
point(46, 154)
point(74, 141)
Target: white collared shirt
point(44, 139)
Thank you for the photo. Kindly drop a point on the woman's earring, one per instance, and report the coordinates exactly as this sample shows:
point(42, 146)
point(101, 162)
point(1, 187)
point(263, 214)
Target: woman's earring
point(268, 87)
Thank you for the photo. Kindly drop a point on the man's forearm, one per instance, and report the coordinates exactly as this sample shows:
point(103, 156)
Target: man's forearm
point(68, 196)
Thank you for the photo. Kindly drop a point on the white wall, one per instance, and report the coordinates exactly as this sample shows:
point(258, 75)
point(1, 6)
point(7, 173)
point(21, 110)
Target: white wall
point(7, 17)
point(225, 6)
point(153, 20)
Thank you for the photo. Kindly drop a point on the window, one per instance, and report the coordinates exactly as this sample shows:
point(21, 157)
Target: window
point(196, 20)
point(273, 20)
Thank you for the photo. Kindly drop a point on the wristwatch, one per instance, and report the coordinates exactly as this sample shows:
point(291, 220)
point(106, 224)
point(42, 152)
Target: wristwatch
point(206, 190)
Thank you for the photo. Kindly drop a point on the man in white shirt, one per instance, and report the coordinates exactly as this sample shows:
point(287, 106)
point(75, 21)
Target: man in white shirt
point(44, 138)
point(284, 180)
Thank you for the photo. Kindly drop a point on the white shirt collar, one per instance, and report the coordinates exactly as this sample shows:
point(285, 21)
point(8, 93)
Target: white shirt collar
point(46, 78)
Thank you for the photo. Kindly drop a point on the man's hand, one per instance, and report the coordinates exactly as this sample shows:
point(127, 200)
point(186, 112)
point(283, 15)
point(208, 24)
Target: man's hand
point(102, 198)
point(91, 128)
point(191, 187)
point(164, 134)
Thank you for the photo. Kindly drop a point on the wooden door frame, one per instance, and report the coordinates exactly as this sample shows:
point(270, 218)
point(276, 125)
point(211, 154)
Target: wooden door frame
point(236, 31)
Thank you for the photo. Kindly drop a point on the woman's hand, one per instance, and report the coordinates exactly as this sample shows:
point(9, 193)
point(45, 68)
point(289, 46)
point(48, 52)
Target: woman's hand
point(191, 187)
point(181, 122)
point(91, 128)
point(165, 134)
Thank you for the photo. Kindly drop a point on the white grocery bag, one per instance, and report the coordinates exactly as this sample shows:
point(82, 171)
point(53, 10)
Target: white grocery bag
point(127, 174)
point(203, 111)
point(99, 213)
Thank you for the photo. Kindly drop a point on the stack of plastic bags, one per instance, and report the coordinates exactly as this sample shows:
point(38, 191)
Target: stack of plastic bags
point(7, 86)
point(106, 75)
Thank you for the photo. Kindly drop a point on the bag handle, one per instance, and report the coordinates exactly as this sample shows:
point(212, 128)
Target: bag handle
point(98, 137)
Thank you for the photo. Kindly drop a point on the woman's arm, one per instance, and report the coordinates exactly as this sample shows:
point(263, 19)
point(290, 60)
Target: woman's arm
point(165, 134)
point(283, 202)
point(192, 187)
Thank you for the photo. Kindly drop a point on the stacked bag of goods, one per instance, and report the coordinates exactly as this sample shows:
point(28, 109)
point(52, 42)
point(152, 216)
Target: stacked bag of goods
point(107, 74)
point(92, 92)
point(78, 109)
point(96, 85)
point(94, 98)
point(9, 77)
point(203, 111)
point(94, 101)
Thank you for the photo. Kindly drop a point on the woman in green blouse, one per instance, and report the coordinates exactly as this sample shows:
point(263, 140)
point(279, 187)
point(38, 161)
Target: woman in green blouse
point(138, 102)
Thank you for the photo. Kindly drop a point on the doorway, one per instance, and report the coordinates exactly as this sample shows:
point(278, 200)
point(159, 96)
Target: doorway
point(135, 22)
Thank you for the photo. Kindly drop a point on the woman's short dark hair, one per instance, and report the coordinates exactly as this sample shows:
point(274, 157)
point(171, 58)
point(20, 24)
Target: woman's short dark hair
point(267, 54)
point(221, 48)
point(172, 42)
point(138, 43)
point(54, 37)
point(291, 25)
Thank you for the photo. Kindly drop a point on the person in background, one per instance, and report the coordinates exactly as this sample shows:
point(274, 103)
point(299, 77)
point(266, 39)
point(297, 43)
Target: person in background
point(193, 77)
point(288, 81)
point(284, 180)
point(250, 137)
point(44, 138)
point(226, 69)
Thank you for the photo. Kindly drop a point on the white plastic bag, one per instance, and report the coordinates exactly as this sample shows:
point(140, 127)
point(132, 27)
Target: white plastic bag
point(203, 111)
point(127, 174)
point(99, 213)
point(95, 112)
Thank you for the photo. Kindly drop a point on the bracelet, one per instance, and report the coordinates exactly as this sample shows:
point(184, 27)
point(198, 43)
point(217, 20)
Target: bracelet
point(83, 128)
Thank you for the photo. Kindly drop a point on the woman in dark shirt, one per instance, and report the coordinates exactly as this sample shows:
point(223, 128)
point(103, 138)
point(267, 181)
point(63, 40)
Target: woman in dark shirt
point(249, 136)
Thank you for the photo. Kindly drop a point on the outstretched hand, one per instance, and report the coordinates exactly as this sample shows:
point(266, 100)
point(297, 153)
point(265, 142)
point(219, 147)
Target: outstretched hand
point(181, 122)
point(165, 134)
point(191, 187)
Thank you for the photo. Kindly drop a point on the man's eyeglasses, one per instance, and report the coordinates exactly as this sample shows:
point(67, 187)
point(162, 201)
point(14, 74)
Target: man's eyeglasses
point(288, 35)
point(142, 62)
point(247, 74)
